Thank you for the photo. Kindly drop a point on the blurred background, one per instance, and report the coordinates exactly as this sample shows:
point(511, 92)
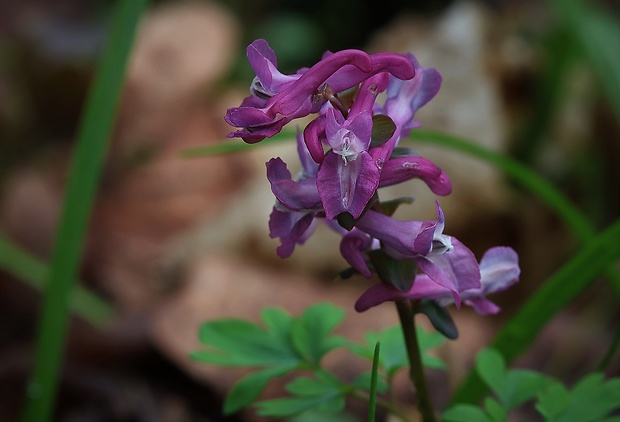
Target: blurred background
point(176, 241)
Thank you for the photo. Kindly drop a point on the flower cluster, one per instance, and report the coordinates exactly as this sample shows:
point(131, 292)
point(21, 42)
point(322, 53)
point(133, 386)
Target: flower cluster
point(350, 150)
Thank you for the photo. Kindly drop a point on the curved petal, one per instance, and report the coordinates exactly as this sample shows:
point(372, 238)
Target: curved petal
point(456, 270)
point(291, 228)
point(348, 76)
point(499, 269)
point(347, 186)
point(397, 236)
point(401, 169)
point(264, 63)
point(303, 88)
point(352, 247)
point(377, 294)
point(405, 97)
point(314, 134)
point(483, 305)
point(293, 195)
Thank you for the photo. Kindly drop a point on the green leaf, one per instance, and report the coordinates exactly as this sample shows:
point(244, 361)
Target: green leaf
point(323, 393)
point(553, 401)
point(491, 367)
point(399, 273)
point(235, 342)
point(521, 385)
point(293, 406)
point(439, 317)
point(390, 207)
point(495, 410)
point(322, 383)
point(383, 128)
point(278, 322)
point(248, 388)
point(310, 333)
point(393, 355)
point(591, 400)
point(512, 387)
point(465, 413)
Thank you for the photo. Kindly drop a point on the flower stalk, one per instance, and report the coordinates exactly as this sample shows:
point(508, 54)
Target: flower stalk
point(416, 371)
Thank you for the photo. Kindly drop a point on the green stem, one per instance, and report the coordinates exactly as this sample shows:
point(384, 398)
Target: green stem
point(416, 371)
point(91, 145)
point(382, 403)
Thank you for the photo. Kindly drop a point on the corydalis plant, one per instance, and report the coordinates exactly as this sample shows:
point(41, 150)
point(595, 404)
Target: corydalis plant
point(348, 151)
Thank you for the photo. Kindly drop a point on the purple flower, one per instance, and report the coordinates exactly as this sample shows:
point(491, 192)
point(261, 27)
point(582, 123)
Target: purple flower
point(400, 169)
point(269, 80)
point(404, 98)
point(298, 202)
point(444, 259)
point(499, 269)
point(277, 99)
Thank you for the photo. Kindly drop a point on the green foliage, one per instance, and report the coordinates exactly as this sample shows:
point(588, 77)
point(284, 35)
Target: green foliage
point(31, 270)
point(512, 387)
point(591, 399)
point(399, 273)
point(95, 128)
point(393, 352)
point(323, 393)
point(383, 128)
point(439, 317)
point(284, 343)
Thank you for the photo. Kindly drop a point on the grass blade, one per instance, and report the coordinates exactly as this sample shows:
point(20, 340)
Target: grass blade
point(94, 131)
point(372, 401)
point(528, 179)
point(562, 287)
point(24, 266)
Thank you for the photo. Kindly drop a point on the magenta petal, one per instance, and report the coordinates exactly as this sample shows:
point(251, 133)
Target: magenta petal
point(396, 64)
point(314, 134)
point(352, 249)
point(248, 117)
point(401, 169)
point(499, 269)
point(347, 186)
point(291, 228)
point(456, 270)
point(377, 294)
point(406, 97)
point(310, 167)
point(483, 305)
point(397, 236)
point(265, 64)
point(293, 195)
point(314, 77)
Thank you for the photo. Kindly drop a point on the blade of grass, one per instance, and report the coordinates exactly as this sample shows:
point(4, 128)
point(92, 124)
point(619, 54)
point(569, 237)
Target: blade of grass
point(94, 131)
point(230, 146)
point(24, 266)
point(372, 401)
point(561, 288)
point(528, 179)
point(598, 35)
